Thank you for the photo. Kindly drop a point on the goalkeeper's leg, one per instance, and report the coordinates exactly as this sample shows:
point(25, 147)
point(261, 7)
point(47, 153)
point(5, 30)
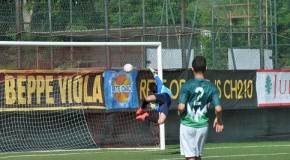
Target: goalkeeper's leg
point(155, 119)
point(159, 120)
point(162, 113)
point(163, 100)
point(146, 101)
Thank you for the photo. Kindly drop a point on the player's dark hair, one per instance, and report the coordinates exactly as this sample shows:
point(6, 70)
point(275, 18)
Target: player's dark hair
point(199, 64)
point(153, 87)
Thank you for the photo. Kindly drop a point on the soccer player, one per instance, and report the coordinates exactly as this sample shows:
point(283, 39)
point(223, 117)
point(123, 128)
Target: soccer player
point(194, 97)
point(161, 97)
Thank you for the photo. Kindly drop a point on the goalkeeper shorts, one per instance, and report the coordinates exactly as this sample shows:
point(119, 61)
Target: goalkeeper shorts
point(164, 102)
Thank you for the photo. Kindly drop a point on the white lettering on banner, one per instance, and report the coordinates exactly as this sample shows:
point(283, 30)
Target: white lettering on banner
point(273, 87)
point(123, 88)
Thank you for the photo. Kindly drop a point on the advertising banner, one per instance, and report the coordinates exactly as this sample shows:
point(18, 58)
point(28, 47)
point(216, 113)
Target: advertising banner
point(120, 89)
point(51, 90)
point(173, 79)
point(237, 88)
point(113, 89)
point(273, 87)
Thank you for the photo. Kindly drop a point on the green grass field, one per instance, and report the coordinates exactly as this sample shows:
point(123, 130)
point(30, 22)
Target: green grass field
point(221, 151)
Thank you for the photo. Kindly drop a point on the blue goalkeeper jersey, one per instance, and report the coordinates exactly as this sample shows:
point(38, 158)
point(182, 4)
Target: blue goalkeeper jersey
point(160, 87)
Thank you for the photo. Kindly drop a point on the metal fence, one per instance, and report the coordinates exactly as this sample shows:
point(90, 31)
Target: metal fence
point(231, 34)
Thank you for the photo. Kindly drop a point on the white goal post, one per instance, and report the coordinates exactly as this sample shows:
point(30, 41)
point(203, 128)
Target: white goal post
point(156, 45)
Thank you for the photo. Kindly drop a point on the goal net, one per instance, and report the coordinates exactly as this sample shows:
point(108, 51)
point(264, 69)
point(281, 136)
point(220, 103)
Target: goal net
point(54, 95)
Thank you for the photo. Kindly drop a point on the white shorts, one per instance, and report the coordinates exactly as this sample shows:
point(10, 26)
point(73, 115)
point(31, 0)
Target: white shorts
point(192, 140)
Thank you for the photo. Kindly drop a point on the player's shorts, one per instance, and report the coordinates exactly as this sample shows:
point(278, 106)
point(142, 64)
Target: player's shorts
point(192, 140)
point(164, 101)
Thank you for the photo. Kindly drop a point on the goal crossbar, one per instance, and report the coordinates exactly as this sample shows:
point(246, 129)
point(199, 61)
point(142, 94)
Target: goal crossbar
point(42, 43)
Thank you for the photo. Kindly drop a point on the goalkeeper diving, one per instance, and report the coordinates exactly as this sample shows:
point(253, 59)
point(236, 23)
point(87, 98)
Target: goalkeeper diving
point(159, 101)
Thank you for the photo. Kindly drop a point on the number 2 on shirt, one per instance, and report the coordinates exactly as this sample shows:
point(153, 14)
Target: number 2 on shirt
point(199, 91)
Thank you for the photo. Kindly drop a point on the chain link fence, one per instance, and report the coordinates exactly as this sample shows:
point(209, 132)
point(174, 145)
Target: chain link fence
point(231, 34)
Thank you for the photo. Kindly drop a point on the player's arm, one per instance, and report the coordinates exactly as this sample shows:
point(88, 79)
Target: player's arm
point(218, 112)
point(180, 109)
point(158, 82)
point(183, 95)
point(218, 123)
point(157, 79)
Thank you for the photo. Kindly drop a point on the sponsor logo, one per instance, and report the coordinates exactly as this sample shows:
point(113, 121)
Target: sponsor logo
point(121, 88)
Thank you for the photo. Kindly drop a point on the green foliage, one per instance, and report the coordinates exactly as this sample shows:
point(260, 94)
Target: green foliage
point(77, 15)
point(81, 15)
point(75, 27)
point(7, 19)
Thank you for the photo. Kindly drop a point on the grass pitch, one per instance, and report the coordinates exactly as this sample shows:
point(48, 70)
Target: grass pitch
point(221, 151)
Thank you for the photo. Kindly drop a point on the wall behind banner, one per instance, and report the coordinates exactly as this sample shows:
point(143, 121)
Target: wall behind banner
point(248, 125)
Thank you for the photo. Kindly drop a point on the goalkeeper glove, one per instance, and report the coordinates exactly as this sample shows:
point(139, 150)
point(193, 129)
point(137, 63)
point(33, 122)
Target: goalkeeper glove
point(152, 70)
point(154, 107)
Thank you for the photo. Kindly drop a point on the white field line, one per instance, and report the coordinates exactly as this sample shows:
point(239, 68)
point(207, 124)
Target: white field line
point(66, 154)
point(37, 155)
point(264, 146)
point(89, 149)
point(245, 155)
point(232, 156)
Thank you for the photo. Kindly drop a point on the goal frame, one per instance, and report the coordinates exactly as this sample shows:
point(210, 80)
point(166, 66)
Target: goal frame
point(158, 45)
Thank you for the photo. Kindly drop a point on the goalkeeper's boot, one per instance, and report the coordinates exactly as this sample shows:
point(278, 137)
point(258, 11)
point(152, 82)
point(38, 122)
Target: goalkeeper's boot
point(142, 117)
point(139, 111)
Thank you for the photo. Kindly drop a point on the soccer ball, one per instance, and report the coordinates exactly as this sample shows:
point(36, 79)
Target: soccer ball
point(128, 67)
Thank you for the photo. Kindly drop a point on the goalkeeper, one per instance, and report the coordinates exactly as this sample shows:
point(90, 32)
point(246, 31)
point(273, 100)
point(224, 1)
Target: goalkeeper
point(159, 101)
